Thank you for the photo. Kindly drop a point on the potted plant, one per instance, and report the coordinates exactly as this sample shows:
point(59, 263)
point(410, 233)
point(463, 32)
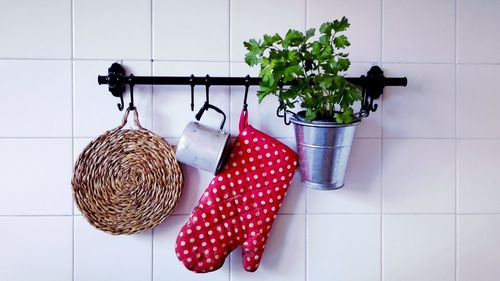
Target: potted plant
point(313, 71)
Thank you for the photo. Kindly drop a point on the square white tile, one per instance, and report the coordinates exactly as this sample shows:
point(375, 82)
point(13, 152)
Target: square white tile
point(418, 247)
point(35, 29)
point(423, 109)
point(166, 266)
point(478, 241)
point(112, 29)
point(295, 200)
point(191, 30)
point(343, 247)
point(418, 31)
point(477, 176)
point(283, 257)
point(102, 256)
point(95, 108)
point(418, 176)
point(261, 116)
point(253, 19)
point(36, 177)
point(477, 106)
point(40, 107)
point(36, 248)
point(365, 30)
point(477, 32)
point(171, 106)
point(361, 193)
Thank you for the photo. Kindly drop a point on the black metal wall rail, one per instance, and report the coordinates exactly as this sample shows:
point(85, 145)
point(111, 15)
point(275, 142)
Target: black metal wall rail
point(372, 84)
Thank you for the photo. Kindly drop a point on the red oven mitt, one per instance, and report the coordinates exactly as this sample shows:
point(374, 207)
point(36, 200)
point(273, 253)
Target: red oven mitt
point(240, 204)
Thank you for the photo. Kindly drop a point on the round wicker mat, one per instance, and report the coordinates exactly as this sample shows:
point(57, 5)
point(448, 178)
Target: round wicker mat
point(127, 180)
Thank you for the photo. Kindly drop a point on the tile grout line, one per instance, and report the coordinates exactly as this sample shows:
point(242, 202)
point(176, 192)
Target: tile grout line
point(152, 63)
point(229, 62)
point(292, 214)
point(35, 216)
point(151, 34)
point(456, 141)
point(152, 252)
point(72, 134)
point(381, 229)
point(229, 271)
point(232, 61)
point(151, 69)
point(280, 138)
point(306, 214)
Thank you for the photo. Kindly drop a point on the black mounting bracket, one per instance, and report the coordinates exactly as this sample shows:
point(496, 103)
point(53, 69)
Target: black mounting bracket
point(115, 74)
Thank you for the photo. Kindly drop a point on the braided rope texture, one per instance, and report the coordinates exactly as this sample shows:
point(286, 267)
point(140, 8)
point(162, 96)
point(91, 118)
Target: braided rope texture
point(127, 180)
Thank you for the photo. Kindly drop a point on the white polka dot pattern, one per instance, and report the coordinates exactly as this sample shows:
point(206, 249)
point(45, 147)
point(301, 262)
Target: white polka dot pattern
point(240, 204)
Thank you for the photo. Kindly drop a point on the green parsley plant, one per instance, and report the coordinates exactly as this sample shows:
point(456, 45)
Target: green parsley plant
point(314, 68)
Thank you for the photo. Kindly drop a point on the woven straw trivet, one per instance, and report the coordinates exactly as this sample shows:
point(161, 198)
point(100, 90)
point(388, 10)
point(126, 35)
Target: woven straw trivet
point(127, 180)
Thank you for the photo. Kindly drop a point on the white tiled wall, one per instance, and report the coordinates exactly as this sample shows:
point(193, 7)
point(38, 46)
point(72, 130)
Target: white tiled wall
point(422, 193)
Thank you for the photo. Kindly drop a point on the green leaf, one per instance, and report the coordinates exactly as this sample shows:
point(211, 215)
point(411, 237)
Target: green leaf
point(339, 82)
point(327, 52)
point(354, 94)
point(344, 117)
point(292, 38)
point(343, 64)
point(316, 49)
point(294, 56)
point(290, 72)
point(309, 33)
point(252, 45)
point(326, 28)
point(326, 83)
point(325, 40)
point(254, 51)
point(268, 40)
point(310, 114)
point(251, 58)
point(341, 25)
point(265, 62)
point(341, 42)
point(290, 93)
point(261, 94)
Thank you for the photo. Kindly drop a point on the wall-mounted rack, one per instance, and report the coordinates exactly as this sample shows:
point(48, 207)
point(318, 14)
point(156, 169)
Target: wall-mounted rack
point(372, 84)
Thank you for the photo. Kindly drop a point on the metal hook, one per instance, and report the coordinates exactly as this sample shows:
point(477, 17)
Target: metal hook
point(191, 82)
point(282, 107)
point(247, 86)
point(120, 105)
point(131, 85)
point(207, 86)
point(131, 105)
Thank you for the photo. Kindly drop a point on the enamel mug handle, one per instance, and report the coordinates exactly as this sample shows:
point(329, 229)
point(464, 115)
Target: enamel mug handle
point(207, 106)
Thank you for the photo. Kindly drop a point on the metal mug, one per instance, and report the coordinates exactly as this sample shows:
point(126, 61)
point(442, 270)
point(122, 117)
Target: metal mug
point(202, 146)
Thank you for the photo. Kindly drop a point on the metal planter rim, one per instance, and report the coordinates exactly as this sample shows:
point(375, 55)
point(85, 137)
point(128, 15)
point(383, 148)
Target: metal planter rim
point(296, 118)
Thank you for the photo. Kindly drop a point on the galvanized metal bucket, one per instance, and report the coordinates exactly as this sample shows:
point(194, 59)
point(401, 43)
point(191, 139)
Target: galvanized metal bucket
point(324, 148)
